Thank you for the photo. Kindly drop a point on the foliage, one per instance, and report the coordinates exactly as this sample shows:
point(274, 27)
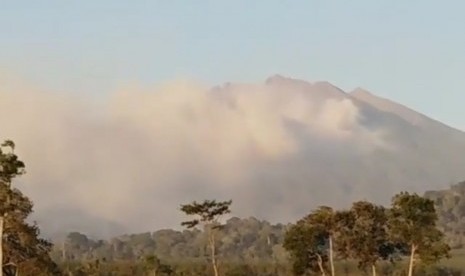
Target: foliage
point(412, 222)
point(247, 246)
point(368, 239)
point(367, 233)
point(207, 213)
point(156, 267)
point(22, 247)
point(307, 245)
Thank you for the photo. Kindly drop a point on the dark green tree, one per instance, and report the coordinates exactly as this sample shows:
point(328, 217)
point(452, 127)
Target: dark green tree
point(412, 222)
point(368, 237)
point(153, 266)
point(307, 244)
point(207, 215)
point(343, 225)
point(22, 250)
point(317, 231)
point(324, 219)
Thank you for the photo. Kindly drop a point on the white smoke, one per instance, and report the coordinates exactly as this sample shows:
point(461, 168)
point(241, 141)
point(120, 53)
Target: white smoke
point(135, 158)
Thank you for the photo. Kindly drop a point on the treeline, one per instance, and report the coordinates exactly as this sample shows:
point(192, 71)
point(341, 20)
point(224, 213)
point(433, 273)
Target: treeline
point(240, 243)
point(368, 234)
point(366, 238)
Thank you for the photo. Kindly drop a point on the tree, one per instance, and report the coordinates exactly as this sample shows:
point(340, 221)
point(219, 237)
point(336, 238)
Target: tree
point(154, 266)
point(10, 167)
point(20, 246)
point(343, 224)
point(315, 232)
point(368, 238)
point(307, 245)
point(207, 214)
point(412, 222)
point(324, 219)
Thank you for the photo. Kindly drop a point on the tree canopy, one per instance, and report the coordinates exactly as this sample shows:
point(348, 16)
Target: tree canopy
point(368, 233)
point(22, 247)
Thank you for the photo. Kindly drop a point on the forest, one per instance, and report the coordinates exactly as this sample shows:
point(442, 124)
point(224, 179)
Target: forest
point(415, 235)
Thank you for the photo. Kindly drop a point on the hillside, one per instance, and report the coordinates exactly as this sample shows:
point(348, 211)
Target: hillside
point(450, 204)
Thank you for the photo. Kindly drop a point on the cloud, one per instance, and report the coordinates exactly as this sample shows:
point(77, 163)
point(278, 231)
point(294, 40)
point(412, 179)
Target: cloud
point(134, 158)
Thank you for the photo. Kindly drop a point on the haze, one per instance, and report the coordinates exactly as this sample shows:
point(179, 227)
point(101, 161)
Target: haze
point(122, 112)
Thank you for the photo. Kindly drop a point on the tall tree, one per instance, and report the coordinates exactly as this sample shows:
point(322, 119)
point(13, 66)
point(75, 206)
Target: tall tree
point(207, 215)
point(20, 246)
point(314, 230)
point(324, 219)
point(412, 222)
point(307, 244)
point(10, 167)
point(368, 238)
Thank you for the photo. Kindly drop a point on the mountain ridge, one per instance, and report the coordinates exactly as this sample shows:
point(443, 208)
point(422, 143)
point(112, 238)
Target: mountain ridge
point(412, 116)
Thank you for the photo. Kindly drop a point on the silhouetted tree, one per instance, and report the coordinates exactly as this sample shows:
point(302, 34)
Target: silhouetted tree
point(207, 214)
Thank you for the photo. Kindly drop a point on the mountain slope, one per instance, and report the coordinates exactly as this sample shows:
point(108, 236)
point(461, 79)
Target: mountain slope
point(278, 149)
point(413, 117)
point(334, 171)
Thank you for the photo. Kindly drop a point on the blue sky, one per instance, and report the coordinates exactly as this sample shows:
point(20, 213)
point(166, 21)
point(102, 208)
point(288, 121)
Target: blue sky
point(410, 51)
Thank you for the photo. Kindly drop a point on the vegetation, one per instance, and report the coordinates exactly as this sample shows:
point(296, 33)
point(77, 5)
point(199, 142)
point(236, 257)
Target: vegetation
point(409, 238)
point(450, 206)
point(22, 250)
point(208, 214)
point(412, 223)
point(367, 233)
point(366, 237)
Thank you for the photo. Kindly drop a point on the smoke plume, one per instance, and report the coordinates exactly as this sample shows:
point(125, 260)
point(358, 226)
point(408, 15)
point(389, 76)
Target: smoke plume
point(126, 163)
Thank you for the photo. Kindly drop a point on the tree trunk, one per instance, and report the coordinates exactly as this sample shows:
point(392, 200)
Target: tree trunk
point(412, 256)
point(211, 239)
point(2, 226)
point(320, 265)
point(1, 244)
point(331, 261)
point(373, 269)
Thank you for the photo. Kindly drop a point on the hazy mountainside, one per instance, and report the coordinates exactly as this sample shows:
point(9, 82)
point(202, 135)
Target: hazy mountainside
point(450, 206)
point(277, 149)
point(386, 105)
point(434, 127)
point(410, 152)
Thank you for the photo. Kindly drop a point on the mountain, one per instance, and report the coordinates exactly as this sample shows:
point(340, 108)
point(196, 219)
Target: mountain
point(419, 153)
point(277, 148)
point(450, 207)
point(411, 116)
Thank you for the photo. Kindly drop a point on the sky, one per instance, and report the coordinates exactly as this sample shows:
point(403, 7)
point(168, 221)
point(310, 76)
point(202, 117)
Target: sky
point(409, 51)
